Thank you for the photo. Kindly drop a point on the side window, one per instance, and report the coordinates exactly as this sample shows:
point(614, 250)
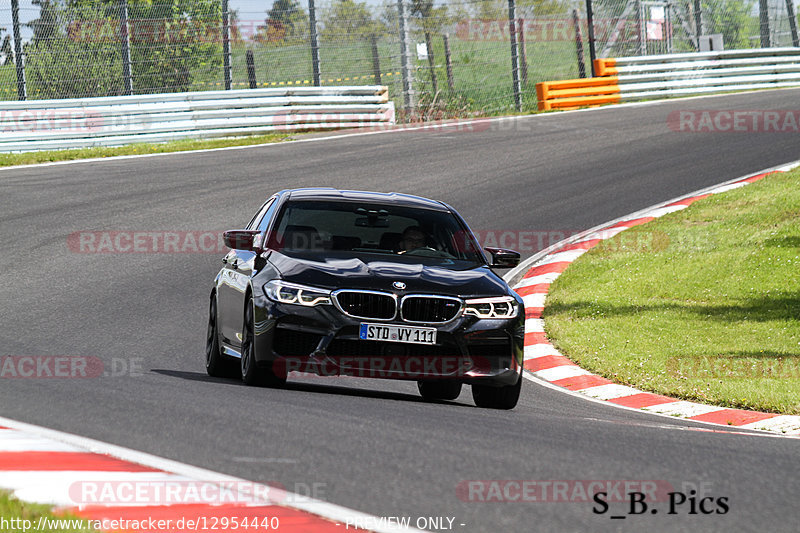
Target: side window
point(255, 222)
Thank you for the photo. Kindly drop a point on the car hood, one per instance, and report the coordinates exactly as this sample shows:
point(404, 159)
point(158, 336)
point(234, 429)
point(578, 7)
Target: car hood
point(380, 273)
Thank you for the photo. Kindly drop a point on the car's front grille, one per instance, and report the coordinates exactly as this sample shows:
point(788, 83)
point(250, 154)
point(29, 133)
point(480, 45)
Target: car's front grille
point(367, 304)
point(430, 309)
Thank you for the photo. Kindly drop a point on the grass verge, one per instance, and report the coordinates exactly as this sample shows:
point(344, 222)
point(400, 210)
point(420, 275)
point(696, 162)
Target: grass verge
point(16, 515)
point(183, 145)
point(702, 304)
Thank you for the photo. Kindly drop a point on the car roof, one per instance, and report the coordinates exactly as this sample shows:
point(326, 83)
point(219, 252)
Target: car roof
point(329, 193)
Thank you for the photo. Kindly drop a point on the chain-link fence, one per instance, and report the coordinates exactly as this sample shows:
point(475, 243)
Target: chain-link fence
point(440, 58)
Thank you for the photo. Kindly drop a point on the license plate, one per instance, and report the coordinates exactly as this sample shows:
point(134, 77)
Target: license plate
point(388, 333)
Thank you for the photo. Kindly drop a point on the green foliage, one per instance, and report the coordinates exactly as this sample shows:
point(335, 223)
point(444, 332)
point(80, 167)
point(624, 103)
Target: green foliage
point(76, 50)
point(348, 20)
point(64, 63)
point(733, 19)
point(191, 39)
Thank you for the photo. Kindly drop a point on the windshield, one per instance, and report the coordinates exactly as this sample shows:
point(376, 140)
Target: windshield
point(351, 229)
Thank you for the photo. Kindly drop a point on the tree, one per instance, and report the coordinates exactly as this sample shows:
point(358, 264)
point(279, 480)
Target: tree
point(46, 25)
point(733, 19)
point(285, 20)
point(348, 20)
point(80, 54)
point(5, 50)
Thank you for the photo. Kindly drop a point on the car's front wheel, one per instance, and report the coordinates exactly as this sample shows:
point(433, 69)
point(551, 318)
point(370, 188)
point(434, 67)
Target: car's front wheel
point(217, 365)
point(439, 390)
point(252, 374)
point(504, 397)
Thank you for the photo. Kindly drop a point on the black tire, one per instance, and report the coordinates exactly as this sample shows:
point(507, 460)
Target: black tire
point(217, 365)
point(439, 390)
point(252, 373)
point(505, 397)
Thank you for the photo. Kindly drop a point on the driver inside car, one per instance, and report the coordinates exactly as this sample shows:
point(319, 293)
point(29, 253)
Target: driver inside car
point(413, 238)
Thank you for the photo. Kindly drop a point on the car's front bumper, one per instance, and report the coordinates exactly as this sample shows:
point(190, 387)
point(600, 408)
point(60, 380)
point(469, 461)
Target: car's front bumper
point(324, 341)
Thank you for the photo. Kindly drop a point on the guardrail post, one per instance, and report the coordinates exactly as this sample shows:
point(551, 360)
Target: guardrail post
point(19, 60)
point(590, 36)
point(226, 45)
point(512, 26)
point(792, 23)
point(763, 15)
point(312, 26)
point(251, 69)
point(409, 101)
point(125, 44)
point(579, 44)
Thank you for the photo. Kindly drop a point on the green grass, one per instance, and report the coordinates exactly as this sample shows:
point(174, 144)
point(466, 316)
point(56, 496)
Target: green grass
point(702, 304)
point(14, 513)
point(46, 156)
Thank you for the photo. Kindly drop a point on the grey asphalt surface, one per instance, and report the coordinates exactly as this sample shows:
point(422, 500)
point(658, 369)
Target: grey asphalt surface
point(372, 445)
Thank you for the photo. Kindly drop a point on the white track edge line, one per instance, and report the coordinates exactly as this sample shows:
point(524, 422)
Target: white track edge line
point(331, 511)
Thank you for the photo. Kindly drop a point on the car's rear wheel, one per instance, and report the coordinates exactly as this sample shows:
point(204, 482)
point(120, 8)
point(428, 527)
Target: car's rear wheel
point(217, 365)
point(252, 374)
point(439, 390)
point(504, 397)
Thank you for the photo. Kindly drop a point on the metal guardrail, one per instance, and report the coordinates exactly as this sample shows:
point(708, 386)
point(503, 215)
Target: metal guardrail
point(636, 78)
point(113, 121)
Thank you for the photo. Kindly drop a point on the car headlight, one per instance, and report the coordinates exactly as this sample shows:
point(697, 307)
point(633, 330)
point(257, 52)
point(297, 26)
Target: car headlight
point(495, 307)
point(293, 293)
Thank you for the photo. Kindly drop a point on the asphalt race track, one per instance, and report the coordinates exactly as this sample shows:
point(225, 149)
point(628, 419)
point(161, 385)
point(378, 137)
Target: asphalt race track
point(373, 446)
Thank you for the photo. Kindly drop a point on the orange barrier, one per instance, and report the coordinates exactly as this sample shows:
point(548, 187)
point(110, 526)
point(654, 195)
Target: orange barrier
point(605, 67)
point(577, 93)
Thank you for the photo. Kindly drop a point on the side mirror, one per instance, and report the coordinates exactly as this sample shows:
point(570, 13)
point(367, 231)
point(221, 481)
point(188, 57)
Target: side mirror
point(502, 258)
point(243, 239)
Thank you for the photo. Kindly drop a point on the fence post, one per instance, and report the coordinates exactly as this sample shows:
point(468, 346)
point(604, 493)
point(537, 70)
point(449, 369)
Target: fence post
point(792, 23)
point(312, 26)
point(125, 43)
point(251, 69)
point(512, 17)
point(523, 56)
point(590, 36)
point(19, 61)
point(763, 15)
point(698, 23)
point(578, 44)
point(449, 61)
point(431, 63)
point(409, 101)
point(226, 45)
point(376, 59)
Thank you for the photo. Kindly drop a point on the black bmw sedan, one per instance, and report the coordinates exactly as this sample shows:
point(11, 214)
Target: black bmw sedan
point(325, 282)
